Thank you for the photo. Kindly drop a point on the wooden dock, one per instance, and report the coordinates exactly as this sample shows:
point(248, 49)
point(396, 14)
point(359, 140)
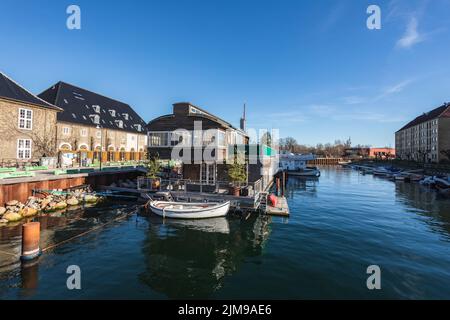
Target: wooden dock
point(280, 210)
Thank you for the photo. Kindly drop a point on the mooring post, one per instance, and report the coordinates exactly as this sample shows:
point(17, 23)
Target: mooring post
point(31, 233)
point(284, 183)
point(278, 187)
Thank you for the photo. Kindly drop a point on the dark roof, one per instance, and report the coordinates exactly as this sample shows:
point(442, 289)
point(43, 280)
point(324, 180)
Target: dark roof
point(442, 111)
point(205, 114)
point(80, 106)
point(11, 90)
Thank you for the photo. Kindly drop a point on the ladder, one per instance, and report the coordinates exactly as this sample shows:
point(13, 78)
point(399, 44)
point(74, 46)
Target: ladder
point(263, 201)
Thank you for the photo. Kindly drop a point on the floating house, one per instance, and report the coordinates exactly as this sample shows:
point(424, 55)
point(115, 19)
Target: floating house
point(93, 127)
point(203, 146)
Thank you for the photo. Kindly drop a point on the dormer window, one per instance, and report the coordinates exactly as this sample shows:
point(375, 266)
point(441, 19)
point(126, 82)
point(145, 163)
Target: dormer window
point(112, 112)
point(95, 118)
point(119, 123)
point(125, 115)
point(138, 127)
point(96, 108)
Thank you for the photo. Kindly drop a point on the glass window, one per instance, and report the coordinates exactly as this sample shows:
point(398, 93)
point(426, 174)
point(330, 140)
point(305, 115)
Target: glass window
point(25, 119)
point(24, 149)
point(158, 139)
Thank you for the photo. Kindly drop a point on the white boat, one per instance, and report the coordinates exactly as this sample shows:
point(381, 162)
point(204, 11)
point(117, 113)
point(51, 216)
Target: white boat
point(189, 210)
point(307, 172)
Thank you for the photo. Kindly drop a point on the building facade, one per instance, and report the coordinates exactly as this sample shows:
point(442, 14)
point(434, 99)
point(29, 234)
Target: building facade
point(185, 137)
point(94, 128)
point(369, 153)
point(426, 138)
point(27, 125)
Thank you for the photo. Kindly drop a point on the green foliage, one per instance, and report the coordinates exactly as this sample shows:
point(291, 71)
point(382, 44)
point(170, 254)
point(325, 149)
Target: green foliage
point(237, 171)
point(153, 167)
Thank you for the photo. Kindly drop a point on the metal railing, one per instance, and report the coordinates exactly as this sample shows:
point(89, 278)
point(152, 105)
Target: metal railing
point(250, 189)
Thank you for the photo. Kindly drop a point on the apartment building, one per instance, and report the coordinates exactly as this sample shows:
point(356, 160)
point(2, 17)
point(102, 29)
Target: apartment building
point(426, 138)
point(93, 128)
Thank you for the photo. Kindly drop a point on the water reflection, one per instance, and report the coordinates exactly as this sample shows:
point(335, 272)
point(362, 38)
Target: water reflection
point(307, 185)
point(185, 259)
point(428, 203)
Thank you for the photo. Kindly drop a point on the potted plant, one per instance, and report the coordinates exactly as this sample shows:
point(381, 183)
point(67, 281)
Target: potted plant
point(237, 174)
point(153, 169)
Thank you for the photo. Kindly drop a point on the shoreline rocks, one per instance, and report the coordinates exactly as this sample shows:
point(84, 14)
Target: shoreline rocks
point(14, 210)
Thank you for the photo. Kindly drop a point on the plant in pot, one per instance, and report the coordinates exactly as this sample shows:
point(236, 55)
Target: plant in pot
point(237, 174)
point(153, 169)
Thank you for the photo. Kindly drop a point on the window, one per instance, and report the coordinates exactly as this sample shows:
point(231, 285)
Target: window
point(24, 148)
point(119, 123)
point(66, 131)
point(25, 119)
point(158, 139)
point(95, 119)
point(125, 115)
point(83, 132)
point(96, 108)
point(112, 112)
point(221, 139)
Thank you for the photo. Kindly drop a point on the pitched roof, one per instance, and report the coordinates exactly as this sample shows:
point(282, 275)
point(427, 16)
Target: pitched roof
point(442, 111)
point(200, 112)
point(81, 106)
point(11, 90)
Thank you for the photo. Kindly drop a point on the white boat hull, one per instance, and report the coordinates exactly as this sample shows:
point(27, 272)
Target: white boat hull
point(188, 210)
point(305, 173)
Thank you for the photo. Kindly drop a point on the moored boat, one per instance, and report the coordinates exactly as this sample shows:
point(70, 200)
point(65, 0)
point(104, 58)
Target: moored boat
point(189, 210)
point(307, 172)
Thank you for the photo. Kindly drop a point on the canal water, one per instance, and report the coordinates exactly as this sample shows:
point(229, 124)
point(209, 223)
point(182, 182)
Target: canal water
point(340, 224)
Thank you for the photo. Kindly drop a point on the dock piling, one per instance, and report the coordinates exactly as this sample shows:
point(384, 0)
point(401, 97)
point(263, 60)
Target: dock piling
point(31, 233)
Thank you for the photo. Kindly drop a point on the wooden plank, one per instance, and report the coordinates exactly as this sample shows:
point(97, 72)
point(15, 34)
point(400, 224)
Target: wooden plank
point(281, 209)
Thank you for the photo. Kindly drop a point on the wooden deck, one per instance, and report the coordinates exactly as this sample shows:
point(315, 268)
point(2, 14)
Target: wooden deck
point(281, 209)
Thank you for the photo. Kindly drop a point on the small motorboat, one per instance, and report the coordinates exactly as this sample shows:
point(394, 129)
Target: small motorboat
point(306, 172)
point(345, 163)
point(189, 210)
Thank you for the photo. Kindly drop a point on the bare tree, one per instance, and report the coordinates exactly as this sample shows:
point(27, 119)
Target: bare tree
point(44, 141)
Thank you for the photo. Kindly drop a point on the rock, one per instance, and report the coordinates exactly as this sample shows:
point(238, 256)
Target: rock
point(3, 221)
point(29, 212)
point(50, 207)
point(45, 202)
point(12, 203)
point(2, 211)
point(12, 216)
point(72, 201)
point(90, 199)
point(61, 205)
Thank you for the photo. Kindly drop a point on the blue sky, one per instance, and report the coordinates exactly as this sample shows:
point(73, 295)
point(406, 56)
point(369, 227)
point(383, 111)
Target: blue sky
point(309, 68)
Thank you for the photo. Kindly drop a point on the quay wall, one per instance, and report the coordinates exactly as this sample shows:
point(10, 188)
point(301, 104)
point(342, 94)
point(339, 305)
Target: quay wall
point(22, 188)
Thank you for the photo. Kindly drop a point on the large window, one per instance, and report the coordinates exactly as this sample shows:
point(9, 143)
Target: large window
point(158, 139)
point(221, 138)
point(25, 119)
point(24, 148)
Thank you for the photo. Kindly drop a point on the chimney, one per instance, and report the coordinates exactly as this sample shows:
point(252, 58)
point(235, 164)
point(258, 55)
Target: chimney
point(243, 121)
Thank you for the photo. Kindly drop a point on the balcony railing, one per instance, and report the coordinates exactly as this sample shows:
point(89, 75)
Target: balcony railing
point(251, 189)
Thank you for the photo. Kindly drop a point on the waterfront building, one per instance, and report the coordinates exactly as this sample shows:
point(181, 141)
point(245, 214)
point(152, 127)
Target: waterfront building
point(426, 138)
point(370, 153)
point(93, 127)
point(27, 125)
point(201, 143)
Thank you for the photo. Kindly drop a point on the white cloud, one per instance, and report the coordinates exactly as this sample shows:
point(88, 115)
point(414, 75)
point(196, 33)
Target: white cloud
point(411, 36)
